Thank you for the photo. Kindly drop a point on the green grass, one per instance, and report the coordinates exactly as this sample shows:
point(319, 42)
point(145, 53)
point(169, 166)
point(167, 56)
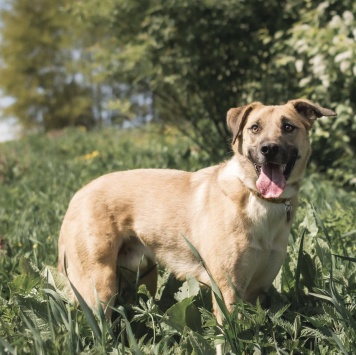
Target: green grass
point(311, 309)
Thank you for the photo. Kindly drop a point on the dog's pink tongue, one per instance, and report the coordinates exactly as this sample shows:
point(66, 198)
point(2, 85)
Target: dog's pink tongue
point(271, 181)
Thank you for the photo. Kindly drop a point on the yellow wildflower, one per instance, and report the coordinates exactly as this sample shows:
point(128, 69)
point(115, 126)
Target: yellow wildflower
point(90, 156)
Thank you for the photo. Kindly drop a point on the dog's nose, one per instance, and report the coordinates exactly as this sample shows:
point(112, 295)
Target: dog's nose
point(270, 149)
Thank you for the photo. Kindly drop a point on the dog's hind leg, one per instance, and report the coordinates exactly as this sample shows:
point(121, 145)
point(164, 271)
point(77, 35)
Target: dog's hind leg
point(90, 264)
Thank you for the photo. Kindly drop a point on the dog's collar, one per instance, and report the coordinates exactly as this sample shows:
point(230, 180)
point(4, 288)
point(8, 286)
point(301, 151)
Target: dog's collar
point(285, 201)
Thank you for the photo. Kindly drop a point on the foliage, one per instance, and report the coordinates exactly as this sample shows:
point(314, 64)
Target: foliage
point(196, 58)
point(184, 62)
point(193, 60)
point(311, 310)
point(320, 54)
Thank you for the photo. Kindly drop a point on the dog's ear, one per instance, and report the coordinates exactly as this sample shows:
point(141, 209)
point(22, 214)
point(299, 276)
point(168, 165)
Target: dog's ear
point(311, 111)
point(236, 118)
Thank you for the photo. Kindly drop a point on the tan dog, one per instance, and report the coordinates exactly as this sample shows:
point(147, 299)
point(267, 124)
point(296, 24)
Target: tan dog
point(238, 214)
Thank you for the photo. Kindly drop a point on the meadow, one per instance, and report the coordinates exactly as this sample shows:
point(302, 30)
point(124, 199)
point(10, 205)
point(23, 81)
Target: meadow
point(310, 310)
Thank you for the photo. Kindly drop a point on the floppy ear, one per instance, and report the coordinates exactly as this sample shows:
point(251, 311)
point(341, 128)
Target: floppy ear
point(236, 118)
point(311, 111)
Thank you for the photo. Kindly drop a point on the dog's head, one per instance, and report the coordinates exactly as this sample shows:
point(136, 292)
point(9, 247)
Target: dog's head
point(272, 142)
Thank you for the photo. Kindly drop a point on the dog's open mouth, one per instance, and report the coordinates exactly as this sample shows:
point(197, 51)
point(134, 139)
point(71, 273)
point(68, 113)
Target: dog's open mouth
point(272, 178)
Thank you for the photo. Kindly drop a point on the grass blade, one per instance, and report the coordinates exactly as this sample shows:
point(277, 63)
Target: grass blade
point(338, 342)
point(5, 347)
point(38, 341)
point(348, 258)
point(214, 285)
point(58, 308)
point(299, 264)
point(89, 315)
point(132, 341)
point(348, 234)
point(320, 222)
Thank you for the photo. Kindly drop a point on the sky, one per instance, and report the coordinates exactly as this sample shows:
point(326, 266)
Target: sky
point(8, 128)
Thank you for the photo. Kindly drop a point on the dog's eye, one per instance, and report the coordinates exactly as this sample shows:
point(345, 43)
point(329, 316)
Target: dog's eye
point(288, 128)
point(255, 128)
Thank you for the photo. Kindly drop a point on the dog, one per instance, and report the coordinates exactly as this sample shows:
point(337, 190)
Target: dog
point(237, 214)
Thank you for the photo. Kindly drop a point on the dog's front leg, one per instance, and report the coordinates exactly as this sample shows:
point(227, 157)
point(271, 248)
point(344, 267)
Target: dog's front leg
point(231, 290)
point(229, 297)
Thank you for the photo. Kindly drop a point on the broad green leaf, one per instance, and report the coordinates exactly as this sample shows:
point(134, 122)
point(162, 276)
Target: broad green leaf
point(183, 314)
point(189, 288)
point(23, 284)
point(309, 221)
point(199, 344)
point(308, 270)
point(57, 280)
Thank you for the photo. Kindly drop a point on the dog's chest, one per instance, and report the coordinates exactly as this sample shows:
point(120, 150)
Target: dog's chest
point(269, 227)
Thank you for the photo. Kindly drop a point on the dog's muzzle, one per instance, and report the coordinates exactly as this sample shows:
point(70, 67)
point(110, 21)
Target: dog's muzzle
point(273, 167)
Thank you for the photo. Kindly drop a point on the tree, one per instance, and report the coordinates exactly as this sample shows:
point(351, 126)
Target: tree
point(41, 57)
point(185, 62)
point(197, 58)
